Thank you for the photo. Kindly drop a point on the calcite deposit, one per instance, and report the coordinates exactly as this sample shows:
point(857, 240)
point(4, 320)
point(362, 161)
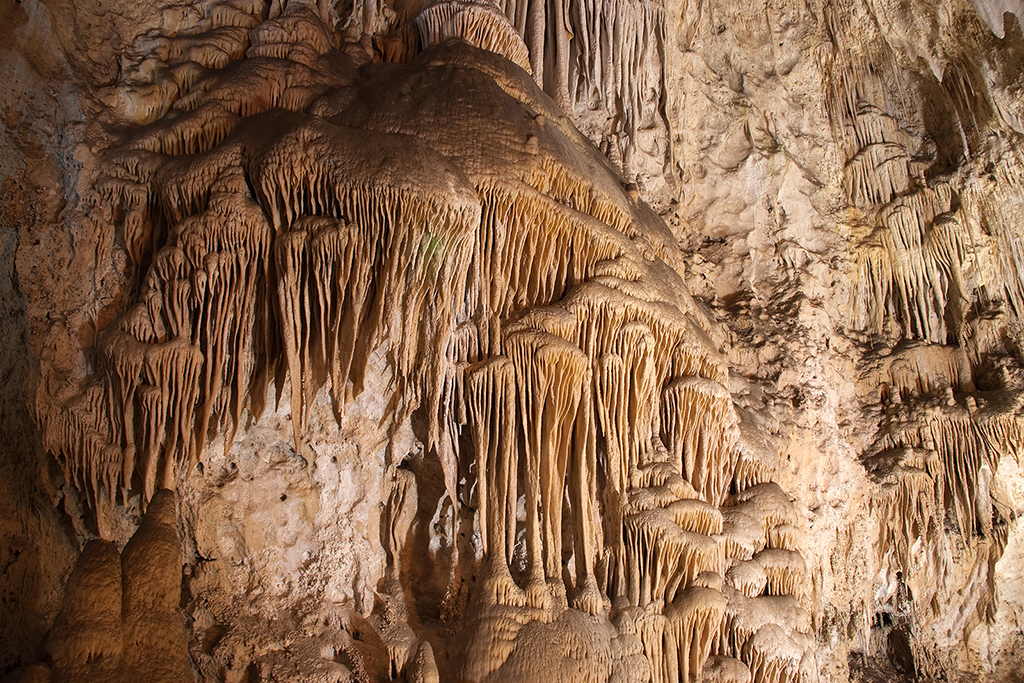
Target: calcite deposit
point(512, 341)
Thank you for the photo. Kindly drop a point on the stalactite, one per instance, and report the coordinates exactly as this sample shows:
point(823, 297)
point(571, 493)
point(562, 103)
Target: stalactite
point(651, 629)
point(964, 441)
point(298, 31)
point(909, 502)
point(698, 427)
point(756, 460)
point(784, 569)
point(580, 51)
point(479, 23)
point(742, 532)
point(918, 265)
point(612, 54)
point(877, 174)
point(772, 656)
point(745, 617)
point(785, 537)
point(767, 503)
point(748, 577)
point(299, 218)
point(693, 620)
point(912, 268)
point(916, 368)
point(253, 86)
point(211, 49)
point(996, 206)
point(696, 516)
point(549, 374)
point(930, 471)
point(664, 558)
point(492, 411)
point(401, 511)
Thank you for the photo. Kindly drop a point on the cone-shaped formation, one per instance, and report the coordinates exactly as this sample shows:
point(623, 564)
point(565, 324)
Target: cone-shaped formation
point(88, 627)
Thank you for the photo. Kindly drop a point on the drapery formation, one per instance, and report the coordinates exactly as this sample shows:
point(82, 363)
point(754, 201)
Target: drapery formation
point(299, 216)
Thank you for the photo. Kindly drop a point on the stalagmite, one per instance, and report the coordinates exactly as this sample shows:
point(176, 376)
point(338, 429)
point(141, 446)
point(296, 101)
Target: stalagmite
point(88, 626)
point(374, 286)
point(154, 631)
point(121, 617)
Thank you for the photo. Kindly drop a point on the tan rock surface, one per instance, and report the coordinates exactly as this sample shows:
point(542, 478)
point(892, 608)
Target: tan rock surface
point(378, 290)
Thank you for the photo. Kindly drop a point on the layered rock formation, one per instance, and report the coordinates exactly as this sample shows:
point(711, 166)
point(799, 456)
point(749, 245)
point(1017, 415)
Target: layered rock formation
point(378, 290)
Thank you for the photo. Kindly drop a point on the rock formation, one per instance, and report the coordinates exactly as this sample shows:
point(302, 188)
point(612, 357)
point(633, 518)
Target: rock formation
point(480, 341)
point(120, 619)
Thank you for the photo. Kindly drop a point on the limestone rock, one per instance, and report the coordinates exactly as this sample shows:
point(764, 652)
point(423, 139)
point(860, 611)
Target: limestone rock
point(508, 340)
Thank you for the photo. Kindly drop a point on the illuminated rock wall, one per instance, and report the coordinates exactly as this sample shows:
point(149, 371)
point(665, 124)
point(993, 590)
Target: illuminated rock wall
point(442, 397)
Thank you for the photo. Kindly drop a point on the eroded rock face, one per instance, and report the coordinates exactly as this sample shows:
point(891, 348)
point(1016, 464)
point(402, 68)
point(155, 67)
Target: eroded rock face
point(428, 377)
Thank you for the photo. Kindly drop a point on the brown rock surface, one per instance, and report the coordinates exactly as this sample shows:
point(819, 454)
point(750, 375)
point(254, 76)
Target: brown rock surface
point(378, 290)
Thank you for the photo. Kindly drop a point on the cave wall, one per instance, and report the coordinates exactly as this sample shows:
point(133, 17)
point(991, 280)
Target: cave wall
point(788, 108)
point(844, 184)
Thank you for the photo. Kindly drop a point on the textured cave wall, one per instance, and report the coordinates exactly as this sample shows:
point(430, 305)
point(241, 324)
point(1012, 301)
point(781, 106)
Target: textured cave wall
point(40, 112)
point(777, 115)
point(754, 139)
